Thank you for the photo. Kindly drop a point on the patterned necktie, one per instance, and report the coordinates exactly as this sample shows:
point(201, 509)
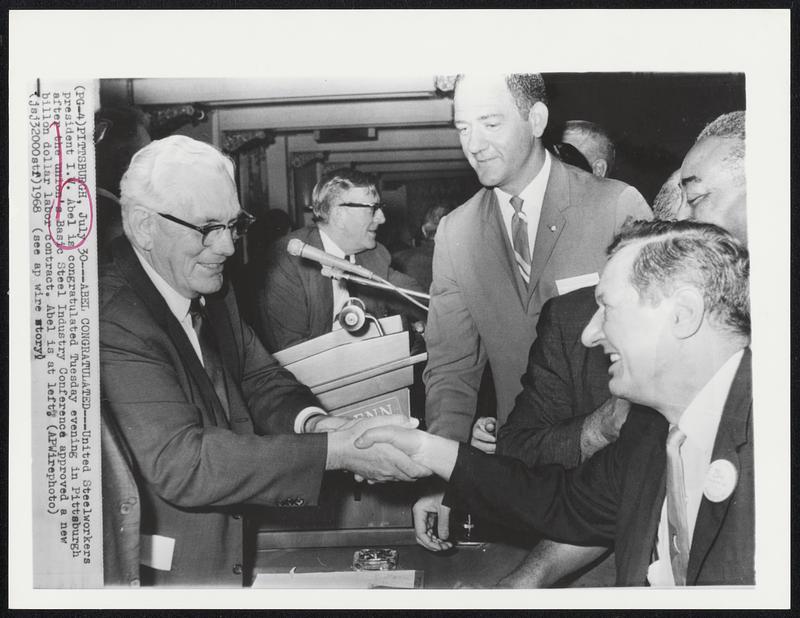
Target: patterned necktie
point(210, 351)
point(519, 237)
point(677, 518)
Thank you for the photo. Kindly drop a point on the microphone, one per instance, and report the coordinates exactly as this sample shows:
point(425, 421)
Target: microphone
point(300, 249)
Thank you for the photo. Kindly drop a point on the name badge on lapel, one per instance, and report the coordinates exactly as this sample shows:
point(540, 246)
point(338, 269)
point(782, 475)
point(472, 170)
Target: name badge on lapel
point(569, 284)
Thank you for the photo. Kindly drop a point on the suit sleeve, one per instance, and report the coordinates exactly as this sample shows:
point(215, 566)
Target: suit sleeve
point(281, 303)
point(571, 506)
point(543, 427)
point(273, 395)
point(456, 354)
point(631, 206)
point(188, 461)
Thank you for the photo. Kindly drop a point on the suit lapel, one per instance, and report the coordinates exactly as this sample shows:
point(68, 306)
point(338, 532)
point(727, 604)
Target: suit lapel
point(497, 253)
point(320, 287)
point(551, 222)
point(731, 434)
point(140, 282)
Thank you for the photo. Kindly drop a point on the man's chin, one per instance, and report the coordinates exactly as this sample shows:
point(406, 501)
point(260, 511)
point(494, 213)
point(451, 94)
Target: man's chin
point(210, 285)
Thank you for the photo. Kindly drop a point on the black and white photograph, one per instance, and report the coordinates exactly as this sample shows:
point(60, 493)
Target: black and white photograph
point(393, 314)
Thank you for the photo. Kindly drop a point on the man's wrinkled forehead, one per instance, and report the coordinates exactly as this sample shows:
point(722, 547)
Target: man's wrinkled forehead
point(204, 188)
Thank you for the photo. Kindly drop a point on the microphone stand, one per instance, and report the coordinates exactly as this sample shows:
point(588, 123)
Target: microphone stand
point(335, 273)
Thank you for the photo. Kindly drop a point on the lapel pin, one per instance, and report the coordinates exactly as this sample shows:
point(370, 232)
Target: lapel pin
point(552, 228)
point(720, 480)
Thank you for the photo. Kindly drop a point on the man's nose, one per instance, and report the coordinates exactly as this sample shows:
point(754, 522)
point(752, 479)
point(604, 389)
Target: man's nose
point(593, 332)
point(475, 141)
point(224, 244)
point(379, 217)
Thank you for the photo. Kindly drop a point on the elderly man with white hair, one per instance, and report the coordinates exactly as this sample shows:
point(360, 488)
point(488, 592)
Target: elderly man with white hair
point(199, 421)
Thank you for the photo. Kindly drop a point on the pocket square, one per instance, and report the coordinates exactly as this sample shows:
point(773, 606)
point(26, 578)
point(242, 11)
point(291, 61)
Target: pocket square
point(574, 283)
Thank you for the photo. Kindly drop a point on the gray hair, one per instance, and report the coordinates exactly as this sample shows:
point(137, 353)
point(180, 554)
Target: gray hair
point(333, 184)
point(729, 126)
point(594, 139)
point(702, 255)
point(151, 180)
point(525, 88)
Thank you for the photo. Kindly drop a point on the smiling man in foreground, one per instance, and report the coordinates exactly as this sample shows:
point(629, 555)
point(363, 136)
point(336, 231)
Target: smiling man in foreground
point(674, 494)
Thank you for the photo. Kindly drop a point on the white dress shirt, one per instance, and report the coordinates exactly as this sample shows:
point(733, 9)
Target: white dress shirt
point(179, 306)
point(699, 422)
point(340, 293)
point(532, 197)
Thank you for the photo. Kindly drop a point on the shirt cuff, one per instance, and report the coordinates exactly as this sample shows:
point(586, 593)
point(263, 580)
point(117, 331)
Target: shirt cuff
point(304, 415)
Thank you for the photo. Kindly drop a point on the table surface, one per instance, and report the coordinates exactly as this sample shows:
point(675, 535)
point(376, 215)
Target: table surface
point(463, 566)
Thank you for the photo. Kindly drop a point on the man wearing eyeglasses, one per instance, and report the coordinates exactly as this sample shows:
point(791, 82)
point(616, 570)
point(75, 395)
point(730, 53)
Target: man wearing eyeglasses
point(347, 213)
point(199, 421)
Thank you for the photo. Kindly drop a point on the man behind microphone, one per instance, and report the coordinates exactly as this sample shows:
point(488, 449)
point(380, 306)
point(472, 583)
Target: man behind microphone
point(347, 213)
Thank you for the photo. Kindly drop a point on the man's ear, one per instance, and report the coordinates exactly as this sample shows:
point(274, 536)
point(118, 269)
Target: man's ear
point(688, 312)
point(600, 168)
point(142, 227)
point(538, 118)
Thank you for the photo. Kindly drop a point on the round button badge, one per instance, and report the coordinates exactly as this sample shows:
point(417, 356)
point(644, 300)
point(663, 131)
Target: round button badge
point(720, 480)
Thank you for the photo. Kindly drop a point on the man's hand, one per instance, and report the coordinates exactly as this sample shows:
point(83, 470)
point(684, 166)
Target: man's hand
point(436, 454)
point(323, 423)
point(432, 522)
point(376, 462)
point(602, 426)
point(483, 437)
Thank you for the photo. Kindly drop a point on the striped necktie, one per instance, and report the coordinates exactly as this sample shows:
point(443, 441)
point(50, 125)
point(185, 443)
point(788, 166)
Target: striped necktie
point(677, 518)
point(519, 238)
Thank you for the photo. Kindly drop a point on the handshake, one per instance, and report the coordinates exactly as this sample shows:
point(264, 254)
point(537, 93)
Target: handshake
point(384, 448)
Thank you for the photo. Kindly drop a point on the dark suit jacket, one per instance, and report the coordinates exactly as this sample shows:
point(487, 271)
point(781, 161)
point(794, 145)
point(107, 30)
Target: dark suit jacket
point(295, 301)
point(480, 308)
point(195, 469)
point(417, 262)
point(564, 382)
point(617, 495)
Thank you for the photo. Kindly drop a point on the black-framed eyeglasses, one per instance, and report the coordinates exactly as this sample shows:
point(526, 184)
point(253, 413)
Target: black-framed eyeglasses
point(376, 206)
point(213, 231)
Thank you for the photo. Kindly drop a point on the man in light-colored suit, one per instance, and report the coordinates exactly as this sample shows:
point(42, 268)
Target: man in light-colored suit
point(491, 275)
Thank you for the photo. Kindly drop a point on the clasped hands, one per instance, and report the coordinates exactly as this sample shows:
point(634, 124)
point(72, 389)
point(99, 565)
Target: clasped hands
point(390, 448)
point(373, 449)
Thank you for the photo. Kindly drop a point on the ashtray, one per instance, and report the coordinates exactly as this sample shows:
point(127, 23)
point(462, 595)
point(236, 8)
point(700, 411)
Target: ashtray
point(375, 559)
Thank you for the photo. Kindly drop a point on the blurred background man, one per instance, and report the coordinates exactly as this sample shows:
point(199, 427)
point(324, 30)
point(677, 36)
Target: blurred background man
point(592, 141)
point(296, 302)
point(417, 262)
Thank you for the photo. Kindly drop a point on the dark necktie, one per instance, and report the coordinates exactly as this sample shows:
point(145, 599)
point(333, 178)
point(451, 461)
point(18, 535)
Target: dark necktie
point(210, 351)
point(677, 518)
point(519, 238)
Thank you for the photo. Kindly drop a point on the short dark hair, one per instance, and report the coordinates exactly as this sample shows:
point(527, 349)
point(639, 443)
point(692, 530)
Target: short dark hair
point(703, 255)
point(525, 88)
point(333, 183)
